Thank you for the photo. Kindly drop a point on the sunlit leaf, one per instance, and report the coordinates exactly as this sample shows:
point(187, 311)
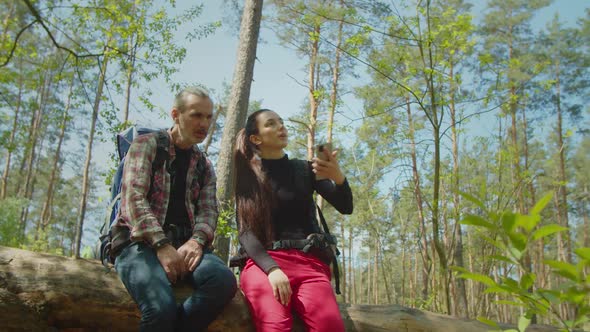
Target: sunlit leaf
point(527, 280)
point(523, 323)
point(564, 269)
point(488, 322)
point(527, 222)
point(583, 253)
point(541, 204)
point(503, 259)
point(474, 220)
point(508, 221)
point(472, 199)
point(547, 230)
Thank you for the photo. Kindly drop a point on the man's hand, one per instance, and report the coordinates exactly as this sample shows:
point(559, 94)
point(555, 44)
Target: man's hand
point(281, 288)
point(171, 262)
point(191, 253)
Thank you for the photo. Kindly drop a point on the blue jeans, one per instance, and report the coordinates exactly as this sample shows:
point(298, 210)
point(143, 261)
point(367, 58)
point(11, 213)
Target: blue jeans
point(140, 270)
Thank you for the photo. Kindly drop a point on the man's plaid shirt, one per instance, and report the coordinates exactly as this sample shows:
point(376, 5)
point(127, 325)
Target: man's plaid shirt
point(143, 215)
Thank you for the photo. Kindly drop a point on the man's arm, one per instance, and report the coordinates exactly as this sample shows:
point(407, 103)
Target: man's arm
point(135, 207)
point(206, 208)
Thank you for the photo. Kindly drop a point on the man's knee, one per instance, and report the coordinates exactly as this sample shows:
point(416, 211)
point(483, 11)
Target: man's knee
point(159, 314)
point(218, 276)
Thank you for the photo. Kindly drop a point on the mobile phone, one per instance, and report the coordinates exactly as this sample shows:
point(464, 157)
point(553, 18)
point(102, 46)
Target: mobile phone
point(319, 151)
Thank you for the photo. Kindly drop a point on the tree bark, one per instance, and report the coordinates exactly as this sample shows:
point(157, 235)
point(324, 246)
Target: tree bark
point(426, 259)
point(40, 292)
point(313, 99)
point(11, 144)
point(212, 129)
point(237, 108)
point(34, 132)
point(461, 308)
point(46, 210)
point(87, 163)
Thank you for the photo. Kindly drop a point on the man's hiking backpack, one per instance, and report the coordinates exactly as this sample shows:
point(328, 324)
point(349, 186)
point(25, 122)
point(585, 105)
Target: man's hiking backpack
point(124, 140)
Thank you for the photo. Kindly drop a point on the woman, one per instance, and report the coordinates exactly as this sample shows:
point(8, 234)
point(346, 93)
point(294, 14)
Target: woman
point(271, 206)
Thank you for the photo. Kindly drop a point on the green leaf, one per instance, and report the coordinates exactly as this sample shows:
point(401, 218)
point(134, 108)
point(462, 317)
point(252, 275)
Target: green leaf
point(527, 222)
point(547, 230)
point(478, 277)
point(488, 322)
point(583, 253)
point(475, 220)
point(472, 199)
point(527, 280)
point(551, 295)
point(523, 323)
point(518, 240)
point(510, 303)
point(508, 221)
point(503, 259)
point(515, 252)
point(541, 204)
point(564, 269)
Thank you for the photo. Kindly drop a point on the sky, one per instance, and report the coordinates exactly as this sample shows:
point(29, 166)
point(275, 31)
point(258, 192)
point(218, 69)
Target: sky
point(278, 71)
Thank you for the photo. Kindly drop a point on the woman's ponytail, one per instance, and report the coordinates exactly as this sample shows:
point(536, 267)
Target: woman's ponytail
point(253, 193)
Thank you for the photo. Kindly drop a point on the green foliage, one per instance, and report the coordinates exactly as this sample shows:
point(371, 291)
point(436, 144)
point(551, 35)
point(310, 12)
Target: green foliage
point(514, 235)
point(10, 210)
point(225, 222)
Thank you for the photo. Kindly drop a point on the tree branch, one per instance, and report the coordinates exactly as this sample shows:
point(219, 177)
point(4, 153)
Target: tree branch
point(38, 18)
point(11, 54)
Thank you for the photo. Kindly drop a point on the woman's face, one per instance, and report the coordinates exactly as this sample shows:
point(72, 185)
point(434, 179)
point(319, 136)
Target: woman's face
point(272, 134)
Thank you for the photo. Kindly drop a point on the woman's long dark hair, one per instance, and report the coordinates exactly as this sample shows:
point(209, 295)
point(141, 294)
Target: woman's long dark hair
point(254, 199)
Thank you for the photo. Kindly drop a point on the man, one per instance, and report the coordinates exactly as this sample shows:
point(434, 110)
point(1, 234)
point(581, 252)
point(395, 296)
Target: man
point(170, 222)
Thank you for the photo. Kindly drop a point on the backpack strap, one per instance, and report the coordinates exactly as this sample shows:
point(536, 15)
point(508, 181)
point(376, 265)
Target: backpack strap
point(302, 169)
point(201, 169)
point(337, 252)
point(162, 150)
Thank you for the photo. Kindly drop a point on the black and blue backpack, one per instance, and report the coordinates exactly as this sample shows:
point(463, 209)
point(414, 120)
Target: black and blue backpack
point(108, 245)
point(124, 140)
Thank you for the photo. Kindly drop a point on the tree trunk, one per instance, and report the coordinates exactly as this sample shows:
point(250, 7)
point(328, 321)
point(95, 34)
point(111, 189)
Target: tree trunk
point(586, 228)
point(88, 162)
point(333, 94)
point(212, 129)
point(425, 255)
point(344, 273)
point(237, 109)
point(40, 292)
point(461, 308)
point(352, 289)
point(45, 212)
point(31, 157)
point(562, 190)
point(11, 143)
point(132, 47)
point(313, 99)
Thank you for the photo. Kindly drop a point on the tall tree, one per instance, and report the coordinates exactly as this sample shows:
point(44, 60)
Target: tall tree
point(237, 108)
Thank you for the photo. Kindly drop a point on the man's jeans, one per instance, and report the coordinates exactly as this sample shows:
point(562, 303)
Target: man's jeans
point(140, 270)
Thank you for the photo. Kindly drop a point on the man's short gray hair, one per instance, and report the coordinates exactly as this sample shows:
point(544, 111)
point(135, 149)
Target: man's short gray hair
point(179, 100)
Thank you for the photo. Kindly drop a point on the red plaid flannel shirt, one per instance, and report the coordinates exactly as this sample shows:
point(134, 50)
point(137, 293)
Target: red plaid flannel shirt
point(143, 215)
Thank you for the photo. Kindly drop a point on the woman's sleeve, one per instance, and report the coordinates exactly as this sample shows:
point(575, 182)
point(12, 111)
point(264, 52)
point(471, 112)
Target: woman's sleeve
point(339, 195)
point(256, 251)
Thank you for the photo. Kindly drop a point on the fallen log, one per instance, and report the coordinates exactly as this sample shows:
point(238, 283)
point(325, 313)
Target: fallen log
point(40, 292)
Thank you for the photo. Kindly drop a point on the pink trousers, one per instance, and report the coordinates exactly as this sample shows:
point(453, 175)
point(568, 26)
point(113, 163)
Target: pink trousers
point(313, 298)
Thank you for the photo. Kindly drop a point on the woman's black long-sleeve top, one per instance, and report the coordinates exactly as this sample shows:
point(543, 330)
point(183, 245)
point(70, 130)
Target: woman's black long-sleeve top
point(292, 215)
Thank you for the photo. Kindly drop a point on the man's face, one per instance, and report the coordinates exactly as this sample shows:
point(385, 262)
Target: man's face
point(194, 119)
